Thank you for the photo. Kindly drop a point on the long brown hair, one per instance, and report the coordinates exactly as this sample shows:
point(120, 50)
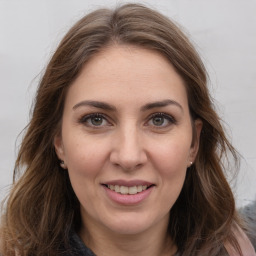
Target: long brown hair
point(42, 207)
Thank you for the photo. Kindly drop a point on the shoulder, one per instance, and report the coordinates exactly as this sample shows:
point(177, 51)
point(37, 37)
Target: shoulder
point(244, 243)
point(249, 216)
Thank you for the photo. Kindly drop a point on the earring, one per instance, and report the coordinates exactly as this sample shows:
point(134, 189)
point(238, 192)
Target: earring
point(190, 164)
point(62, 164)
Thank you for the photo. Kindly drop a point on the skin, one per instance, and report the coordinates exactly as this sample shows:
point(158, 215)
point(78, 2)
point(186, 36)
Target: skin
point(127, 143)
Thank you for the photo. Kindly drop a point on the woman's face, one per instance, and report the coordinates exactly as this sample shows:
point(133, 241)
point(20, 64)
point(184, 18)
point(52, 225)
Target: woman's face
point(126, 139)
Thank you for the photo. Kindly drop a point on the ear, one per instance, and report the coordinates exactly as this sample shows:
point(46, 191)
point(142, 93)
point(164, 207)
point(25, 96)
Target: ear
point(197, 128)
point(59, 149)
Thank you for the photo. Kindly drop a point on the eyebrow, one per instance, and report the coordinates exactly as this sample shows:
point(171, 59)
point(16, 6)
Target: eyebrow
point(162, 103)
point(106, 106)
point(95, 104)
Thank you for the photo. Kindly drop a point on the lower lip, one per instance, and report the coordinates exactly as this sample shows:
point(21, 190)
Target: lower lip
point(128, 199)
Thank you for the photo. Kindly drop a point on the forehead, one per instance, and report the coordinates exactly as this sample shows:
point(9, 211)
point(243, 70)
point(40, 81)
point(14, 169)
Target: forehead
point(131, 73)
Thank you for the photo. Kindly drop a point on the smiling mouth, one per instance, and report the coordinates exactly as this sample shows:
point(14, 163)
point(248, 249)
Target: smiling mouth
point(124, 190)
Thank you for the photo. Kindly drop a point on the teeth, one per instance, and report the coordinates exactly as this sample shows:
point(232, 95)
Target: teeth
point(127, 190)
point(133, 190)
point(117, 188)
point(139, 188)
point(124, 190)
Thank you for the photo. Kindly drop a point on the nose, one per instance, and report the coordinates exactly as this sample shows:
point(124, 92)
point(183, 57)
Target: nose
point(127, 151)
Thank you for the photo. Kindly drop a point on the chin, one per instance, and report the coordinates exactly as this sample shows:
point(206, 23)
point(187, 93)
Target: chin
point(130, 226)
point(129, 229)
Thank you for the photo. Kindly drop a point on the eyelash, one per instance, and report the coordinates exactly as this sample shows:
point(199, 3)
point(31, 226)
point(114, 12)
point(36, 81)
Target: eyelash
point(84, 120)
point(169, 118)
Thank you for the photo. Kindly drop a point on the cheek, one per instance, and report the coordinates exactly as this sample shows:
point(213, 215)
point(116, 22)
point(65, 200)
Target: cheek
point(172, 168)
point(85, 161)
point(171, 163)
point(171, 157)
point(84, 157)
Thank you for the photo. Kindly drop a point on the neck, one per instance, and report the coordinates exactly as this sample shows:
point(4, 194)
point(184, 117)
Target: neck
point(155, 241)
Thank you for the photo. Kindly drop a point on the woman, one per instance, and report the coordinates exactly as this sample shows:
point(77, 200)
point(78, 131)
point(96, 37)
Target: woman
point(123, 154)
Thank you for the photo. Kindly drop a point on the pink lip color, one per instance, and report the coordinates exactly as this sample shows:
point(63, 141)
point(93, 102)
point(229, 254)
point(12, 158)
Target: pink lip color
point(127, 199)
point(129, 183)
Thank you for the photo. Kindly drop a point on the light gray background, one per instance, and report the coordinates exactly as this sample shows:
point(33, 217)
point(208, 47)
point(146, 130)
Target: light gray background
point(224, 32)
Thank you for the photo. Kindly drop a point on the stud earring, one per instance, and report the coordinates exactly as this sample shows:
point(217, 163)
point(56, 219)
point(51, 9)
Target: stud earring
point(62, 164)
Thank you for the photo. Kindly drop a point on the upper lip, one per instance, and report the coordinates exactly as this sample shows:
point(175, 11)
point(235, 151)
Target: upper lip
point(128, 183)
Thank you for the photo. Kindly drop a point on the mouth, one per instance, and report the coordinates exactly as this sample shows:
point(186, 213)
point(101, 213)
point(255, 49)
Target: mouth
point(128, 193)
point(128, 190)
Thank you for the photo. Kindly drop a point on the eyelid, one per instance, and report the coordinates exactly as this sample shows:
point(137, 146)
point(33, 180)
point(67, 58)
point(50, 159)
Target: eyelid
point(169, 117)
point(163, 114)
point(84, 118)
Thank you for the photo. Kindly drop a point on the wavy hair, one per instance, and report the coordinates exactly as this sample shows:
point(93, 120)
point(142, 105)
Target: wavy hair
point(42, 207)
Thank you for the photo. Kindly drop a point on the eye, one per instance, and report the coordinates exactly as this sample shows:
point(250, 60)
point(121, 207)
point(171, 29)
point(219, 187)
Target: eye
point(161, 120)
point(95, 120)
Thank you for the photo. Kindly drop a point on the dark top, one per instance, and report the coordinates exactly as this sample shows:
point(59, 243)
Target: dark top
point(78, 248)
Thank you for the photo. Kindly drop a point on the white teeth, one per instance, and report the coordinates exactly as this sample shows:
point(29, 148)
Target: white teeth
point(124, 190)
point(127, 190)
point(133, 190)
point(117, 188)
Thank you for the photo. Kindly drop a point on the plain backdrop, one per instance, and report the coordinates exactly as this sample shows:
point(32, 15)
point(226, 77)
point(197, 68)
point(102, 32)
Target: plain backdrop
point(223, 31)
